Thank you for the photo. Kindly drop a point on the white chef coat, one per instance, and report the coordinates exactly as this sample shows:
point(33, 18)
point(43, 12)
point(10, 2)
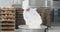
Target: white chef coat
point(32, 18)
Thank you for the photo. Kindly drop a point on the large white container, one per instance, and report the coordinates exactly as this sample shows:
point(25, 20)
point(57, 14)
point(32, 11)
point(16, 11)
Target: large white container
point(25, 28)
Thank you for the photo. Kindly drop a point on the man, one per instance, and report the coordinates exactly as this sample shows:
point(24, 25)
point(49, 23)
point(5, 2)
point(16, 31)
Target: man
point(32, 18)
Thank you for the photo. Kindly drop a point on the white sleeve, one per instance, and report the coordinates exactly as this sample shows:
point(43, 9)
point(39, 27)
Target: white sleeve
point(36, 13)
point(38, 16)
point(26, 18)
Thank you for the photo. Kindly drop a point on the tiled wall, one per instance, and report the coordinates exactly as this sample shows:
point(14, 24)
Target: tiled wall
point(37, 3)
point(56, 4)
point(9, 2)
point(33, 3)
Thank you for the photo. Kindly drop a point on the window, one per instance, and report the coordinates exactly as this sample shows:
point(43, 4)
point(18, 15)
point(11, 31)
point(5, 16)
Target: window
point(59, 13)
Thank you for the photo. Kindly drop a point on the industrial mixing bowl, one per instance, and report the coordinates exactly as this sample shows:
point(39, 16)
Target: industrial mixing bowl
point(25, 28)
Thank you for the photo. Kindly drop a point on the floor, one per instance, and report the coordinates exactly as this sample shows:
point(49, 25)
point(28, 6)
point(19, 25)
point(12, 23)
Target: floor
point(54, 29)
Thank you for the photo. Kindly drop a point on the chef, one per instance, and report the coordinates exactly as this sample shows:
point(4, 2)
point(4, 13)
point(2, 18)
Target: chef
point(30, 15)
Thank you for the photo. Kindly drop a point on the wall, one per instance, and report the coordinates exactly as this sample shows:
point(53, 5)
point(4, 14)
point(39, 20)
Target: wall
point(9, 2)
point(16, 3)
point(56, 4)
point(37, 3)
point(5, 2)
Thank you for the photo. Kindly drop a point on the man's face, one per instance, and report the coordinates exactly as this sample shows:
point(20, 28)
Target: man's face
point(28, 9)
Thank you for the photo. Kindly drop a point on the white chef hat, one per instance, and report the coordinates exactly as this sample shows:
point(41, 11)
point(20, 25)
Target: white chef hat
point(25, 4)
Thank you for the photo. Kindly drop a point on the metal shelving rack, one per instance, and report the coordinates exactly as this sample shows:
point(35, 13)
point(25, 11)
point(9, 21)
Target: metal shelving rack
point(7, 19)
point(0, 21)
point(19, 17)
